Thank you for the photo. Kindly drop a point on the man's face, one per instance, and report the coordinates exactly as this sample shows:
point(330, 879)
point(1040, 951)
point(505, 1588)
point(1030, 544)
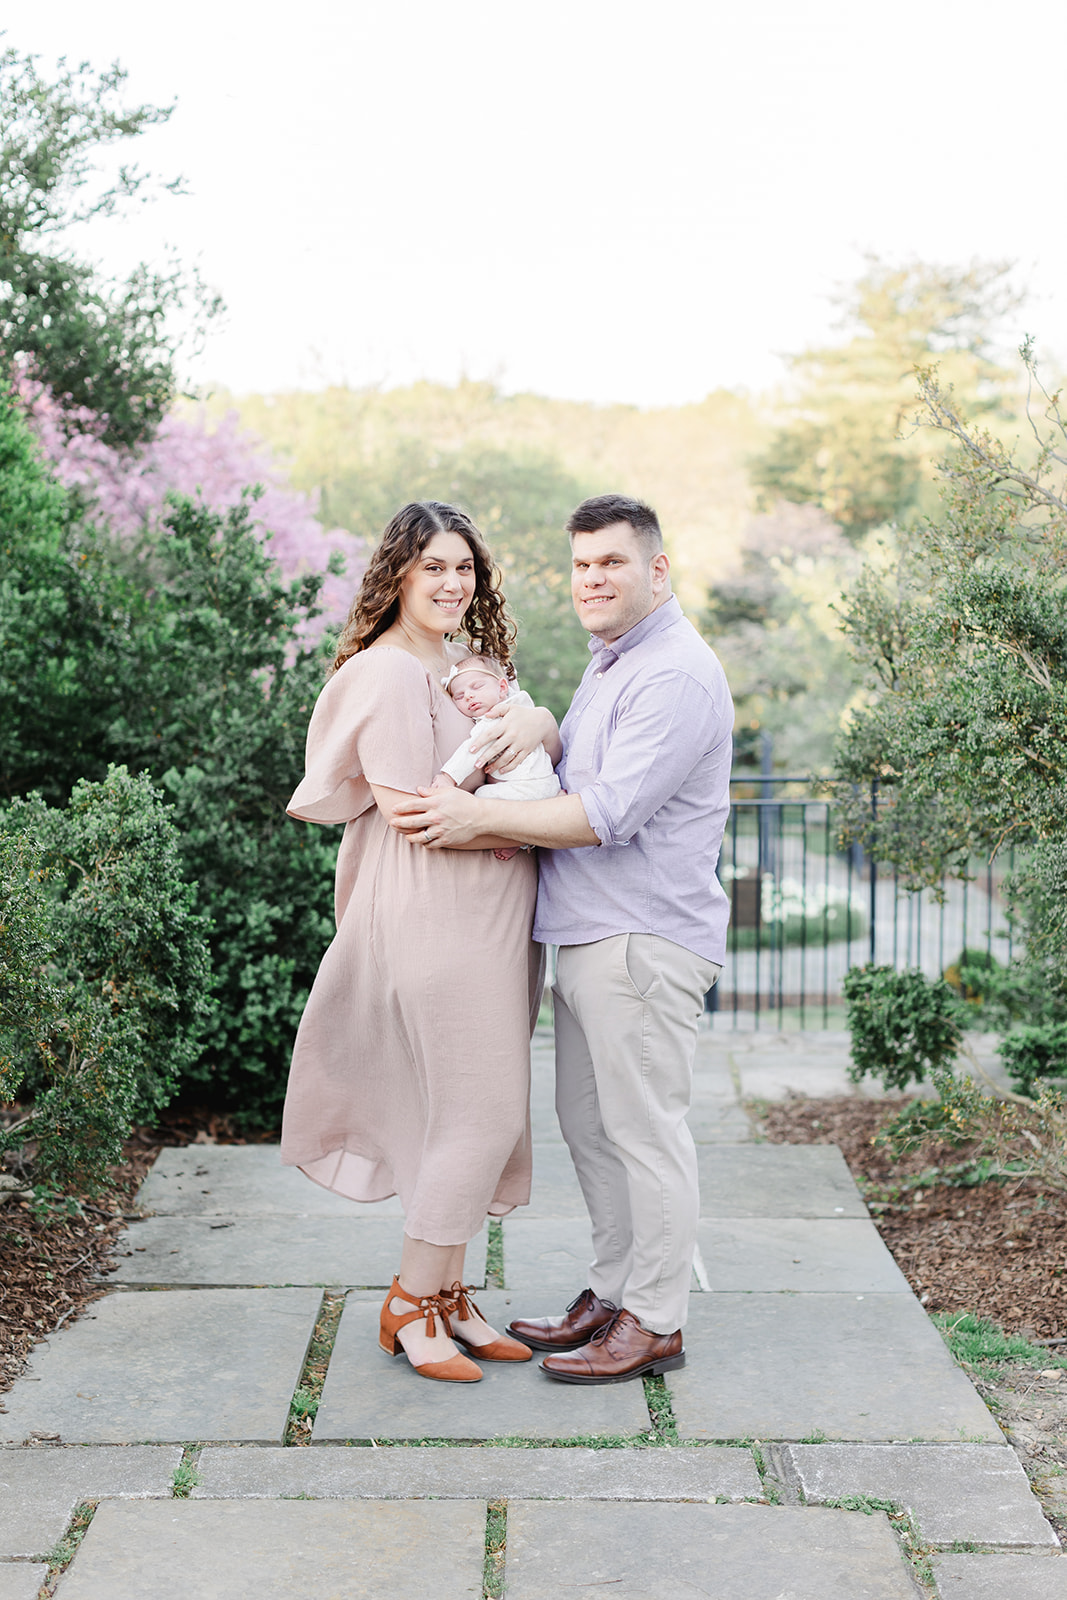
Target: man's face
point(614, 584)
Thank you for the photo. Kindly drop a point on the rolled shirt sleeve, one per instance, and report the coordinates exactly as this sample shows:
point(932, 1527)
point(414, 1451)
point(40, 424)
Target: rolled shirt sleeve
point(658, 732)
point(647, 745)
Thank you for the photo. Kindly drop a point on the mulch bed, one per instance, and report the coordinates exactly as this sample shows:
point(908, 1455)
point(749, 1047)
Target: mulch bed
point(998, 1249)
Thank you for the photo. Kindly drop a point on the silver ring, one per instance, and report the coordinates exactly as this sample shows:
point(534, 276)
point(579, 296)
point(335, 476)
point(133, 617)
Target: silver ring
point(425, 835)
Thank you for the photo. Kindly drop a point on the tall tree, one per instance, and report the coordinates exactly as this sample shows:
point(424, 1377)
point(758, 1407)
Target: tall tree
point(108, 346)
point(776, 629)
point(964, 635)
point(848, 444)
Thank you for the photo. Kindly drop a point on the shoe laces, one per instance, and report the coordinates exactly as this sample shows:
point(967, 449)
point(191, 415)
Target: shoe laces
point(458, 1303)
point(602, 1335)
point(588, 1296)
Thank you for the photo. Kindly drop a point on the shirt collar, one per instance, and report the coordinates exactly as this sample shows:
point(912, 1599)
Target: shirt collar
point(663, 617)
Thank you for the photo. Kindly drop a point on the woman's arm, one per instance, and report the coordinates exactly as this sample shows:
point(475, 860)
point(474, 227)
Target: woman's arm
point(517, 731)
point(388, 800)
point(455, 821)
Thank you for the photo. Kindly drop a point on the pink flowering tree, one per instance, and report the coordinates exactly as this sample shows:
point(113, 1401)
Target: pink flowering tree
point(215, 464)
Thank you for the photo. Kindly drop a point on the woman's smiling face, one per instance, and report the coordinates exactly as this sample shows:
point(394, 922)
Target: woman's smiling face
point(437, 590)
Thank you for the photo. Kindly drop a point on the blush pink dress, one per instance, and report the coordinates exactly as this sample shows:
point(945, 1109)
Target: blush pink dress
point(411, 1068)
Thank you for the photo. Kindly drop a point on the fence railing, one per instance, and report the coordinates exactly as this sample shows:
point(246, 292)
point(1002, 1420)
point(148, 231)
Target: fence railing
point(803, 912)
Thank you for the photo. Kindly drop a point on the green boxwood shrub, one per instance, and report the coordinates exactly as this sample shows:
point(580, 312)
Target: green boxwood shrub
point(903, 1026)
point(104, 972)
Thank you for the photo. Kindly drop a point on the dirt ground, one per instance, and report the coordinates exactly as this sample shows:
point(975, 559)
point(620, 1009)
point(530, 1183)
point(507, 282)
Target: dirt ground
point(998, 1250)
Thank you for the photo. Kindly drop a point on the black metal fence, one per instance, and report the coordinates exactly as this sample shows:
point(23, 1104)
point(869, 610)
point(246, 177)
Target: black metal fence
point(803, 912)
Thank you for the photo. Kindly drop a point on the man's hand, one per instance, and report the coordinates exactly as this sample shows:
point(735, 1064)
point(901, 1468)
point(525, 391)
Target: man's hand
point(516, 732)
point(442, 819)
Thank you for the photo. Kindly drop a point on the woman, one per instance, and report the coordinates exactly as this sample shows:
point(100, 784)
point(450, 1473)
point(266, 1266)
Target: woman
point(410, 1073)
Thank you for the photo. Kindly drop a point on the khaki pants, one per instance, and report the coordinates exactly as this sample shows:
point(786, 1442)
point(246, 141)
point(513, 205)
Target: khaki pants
point(626, 1014)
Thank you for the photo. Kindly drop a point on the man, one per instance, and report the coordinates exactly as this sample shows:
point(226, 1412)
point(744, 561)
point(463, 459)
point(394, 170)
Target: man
point(629, 894)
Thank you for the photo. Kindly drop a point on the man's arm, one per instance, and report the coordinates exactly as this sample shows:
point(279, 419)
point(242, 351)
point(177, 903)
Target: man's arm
point(455, 820)
point(513, 731)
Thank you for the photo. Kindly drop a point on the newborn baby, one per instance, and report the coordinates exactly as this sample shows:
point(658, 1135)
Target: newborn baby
point(476, 684)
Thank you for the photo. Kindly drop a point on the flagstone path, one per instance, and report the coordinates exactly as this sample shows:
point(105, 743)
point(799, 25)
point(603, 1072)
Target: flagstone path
point(816, 1394)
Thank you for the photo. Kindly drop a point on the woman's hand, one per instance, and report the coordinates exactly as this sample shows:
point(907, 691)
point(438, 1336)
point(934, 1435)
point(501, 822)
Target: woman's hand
point(517, 731)
point(441, 819)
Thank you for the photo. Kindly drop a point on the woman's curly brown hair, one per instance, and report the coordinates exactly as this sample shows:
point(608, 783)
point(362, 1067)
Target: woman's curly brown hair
point(486, 623)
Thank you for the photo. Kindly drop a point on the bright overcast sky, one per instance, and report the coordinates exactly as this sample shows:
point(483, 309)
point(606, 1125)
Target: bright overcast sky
point(595, 199)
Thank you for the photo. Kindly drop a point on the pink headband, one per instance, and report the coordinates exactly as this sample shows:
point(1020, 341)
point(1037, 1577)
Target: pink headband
point(455, 671)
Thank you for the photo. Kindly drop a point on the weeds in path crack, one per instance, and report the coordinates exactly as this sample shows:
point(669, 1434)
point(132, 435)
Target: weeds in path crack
point(772, 1489)
point(658, 1399)
point(496, 1535)
point(304, 1405)
point(494, 1256)
point(64, 1550)
point(915, 1548)
point(186, 1477)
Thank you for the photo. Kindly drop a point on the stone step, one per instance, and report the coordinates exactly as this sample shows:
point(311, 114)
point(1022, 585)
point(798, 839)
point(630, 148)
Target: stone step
point(973, 1492)
point(40, 1487)
point(486, 1473)
point(137, 1368)
point(862, 1367)
point(369, 1395)
point(245, 1251)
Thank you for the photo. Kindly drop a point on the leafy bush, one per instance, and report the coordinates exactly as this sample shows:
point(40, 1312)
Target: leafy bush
point(903, 1026)
point(64, 626)
point(103, 971)
point(1013, 1136)
point(226, 682)
point(973, 974)
point(961, 624)
point(187, 656)
point(1036, 1051)
point(1001, 997)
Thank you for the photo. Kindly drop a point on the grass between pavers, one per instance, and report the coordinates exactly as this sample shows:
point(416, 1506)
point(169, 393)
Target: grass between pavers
point(186, 1477)
point(772, 1490)
point(982, 1346)
point(496, 1538)
point(915, 1550)
point(65, 1549)
point(663, 1432)
point(494, 1256)
point(304, 1406)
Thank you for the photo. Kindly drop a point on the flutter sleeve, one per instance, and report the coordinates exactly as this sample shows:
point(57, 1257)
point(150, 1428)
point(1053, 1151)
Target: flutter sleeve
point(372, 723)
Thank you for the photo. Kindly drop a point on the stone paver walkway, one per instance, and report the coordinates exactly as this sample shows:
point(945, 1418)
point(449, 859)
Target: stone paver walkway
point(817, 1394)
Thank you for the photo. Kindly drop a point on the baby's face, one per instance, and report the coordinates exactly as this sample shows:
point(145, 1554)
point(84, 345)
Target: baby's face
point(475, 693)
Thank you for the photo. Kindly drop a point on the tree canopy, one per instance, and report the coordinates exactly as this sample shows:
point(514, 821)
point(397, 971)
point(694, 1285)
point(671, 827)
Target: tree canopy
point(962, 627)
point(848, 444)
point(105, 346)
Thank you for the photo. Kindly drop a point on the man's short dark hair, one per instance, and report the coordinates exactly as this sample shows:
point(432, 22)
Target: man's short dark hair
point(603, 510)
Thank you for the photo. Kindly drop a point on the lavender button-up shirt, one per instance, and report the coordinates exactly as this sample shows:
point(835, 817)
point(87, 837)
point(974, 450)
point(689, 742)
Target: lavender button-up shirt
point(647, 743)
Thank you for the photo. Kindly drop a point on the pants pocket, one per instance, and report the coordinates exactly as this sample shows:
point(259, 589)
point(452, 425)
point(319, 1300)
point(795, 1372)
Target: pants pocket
point(642, 970)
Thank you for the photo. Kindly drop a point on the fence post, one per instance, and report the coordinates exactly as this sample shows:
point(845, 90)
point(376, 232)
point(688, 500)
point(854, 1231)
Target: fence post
point(874, 870)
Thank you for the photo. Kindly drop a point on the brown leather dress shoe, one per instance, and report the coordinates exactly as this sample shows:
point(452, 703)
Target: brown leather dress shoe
point(576, 1327)
point(620, 1350)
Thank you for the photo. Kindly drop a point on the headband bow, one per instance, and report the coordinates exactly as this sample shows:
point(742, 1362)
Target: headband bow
point(455, 671)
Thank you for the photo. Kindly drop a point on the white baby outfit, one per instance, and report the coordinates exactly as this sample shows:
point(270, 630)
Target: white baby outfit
point(532, 779)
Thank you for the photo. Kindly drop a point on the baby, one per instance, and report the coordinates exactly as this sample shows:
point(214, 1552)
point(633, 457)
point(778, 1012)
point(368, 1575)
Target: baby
point(476, 684)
